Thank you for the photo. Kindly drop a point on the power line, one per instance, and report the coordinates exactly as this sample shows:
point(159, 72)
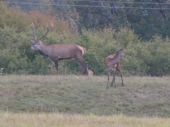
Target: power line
point(105, 1)
point(87, 6)
point(126, 2)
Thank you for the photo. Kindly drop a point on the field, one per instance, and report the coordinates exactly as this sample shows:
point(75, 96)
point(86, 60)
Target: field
point(67, 120)
point(80, 101)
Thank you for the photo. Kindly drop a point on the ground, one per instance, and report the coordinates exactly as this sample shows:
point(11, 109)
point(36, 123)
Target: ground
point(141, 99)
point(68, 120)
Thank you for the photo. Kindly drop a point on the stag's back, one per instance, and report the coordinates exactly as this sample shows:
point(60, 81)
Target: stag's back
point(66, 50)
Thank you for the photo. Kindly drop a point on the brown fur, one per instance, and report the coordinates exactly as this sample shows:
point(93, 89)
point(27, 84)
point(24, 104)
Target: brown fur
point(57, 52)
point(113, 66)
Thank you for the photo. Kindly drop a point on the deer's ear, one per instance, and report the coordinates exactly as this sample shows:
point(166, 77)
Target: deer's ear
point(40, 42)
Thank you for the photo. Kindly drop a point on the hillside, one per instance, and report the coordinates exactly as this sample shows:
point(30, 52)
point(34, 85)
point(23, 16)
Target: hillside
point(142, 96)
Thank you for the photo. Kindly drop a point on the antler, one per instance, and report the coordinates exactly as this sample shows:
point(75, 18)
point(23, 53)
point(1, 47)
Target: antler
point(45, 33)
point(34, 37)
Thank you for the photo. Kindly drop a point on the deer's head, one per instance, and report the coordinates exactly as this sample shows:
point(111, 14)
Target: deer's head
point(36, 46)
point(121, 53)
point(37, 43)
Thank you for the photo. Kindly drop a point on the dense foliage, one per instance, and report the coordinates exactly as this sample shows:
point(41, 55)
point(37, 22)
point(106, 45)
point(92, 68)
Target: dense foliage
point(143, 57)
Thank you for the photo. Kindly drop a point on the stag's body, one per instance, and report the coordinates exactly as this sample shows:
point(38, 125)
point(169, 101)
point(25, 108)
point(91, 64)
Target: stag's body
point(113, 66)
point(60, 51)
point(57, 52)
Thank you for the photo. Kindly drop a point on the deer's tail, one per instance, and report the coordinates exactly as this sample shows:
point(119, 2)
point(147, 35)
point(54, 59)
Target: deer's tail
point(82, 49)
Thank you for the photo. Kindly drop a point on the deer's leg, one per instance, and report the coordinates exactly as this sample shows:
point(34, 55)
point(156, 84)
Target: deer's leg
point(108, 78)
point(113, 79)
point(83, 65)
point(121, 75)
point(121, 78)
point(84, 68)
point(56, 66)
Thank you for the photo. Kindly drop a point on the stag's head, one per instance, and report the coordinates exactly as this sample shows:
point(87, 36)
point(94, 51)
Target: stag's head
point(37, 43)
point(36, 46)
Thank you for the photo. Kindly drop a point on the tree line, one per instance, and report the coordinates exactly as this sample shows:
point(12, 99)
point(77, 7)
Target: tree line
point(146, 17)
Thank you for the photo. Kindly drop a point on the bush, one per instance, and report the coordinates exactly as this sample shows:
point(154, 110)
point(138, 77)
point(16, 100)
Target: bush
point(141, 58)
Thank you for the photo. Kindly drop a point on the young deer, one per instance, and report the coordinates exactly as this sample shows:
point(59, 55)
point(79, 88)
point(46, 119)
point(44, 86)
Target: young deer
point(113, 66)
point(57, 52)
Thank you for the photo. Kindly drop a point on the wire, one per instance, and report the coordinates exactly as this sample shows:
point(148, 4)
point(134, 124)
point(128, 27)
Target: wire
point(87, 6)
point(109, 1)
point(126, 2)
point(95, 1)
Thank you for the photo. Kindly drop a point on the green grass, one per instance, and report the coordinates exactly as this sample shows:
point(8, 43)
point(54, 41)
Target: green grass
point(141, 96)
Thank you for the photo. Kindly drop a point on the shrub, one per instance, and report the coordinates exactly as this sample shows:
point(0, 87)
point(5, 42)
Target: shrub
point(141, 58)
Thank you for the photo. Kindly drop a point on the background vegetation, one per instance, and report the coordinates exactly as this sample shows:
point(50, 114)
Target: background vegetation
point(143, 34)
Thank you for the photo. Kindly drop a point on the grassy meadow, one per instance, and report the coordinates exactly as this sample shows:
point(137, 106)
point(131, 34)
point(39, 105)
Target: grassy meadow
point(80, 101)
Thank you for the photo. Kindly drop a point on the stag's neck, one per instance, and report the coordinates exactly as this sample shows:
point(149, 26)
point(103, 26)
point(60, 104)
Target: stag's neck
point(45, 50)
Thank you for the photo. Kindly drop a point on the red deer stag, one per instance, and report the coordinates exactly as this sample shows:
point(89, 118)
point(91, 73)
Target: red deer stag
point(57, 52)
point(113, 66)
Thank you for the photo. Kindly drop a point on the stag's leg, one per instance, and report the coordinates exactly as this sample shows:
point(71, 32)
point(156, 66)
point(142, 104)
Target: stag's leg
point(56, 66)
point(84, 67)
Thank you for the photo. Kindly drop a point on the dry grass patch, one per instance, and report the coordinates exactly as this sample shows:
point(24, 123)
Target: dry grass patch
point(67, 120)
